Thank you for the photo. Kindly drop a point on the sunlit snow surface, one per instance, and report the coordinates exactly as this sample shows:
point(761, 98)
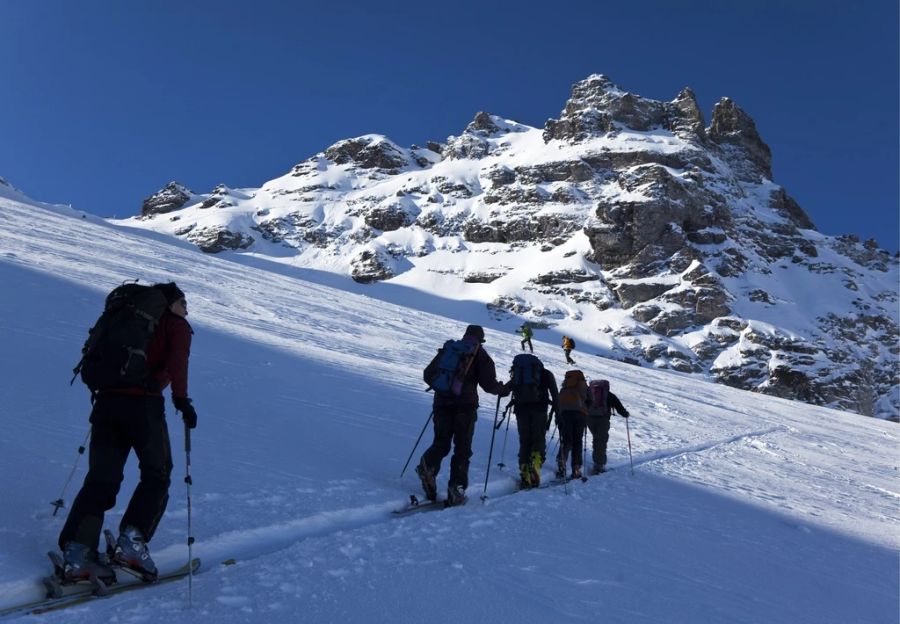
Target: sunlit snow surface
point(741, 508)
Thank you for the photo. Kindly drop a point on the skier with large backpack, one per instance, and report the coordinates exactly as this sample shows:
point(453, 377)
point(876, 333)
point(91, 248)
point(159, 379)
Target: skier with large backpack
point(603, 402)
point(139, 345)
point(533, 391)
point(574, 401)
point(454, 374)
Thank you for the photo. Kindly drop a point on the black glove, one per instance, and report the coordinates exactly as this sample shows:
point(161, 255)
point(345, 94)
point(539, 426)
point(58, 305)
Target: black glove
point(626, 414)
point(505, 390)
point(188, 413)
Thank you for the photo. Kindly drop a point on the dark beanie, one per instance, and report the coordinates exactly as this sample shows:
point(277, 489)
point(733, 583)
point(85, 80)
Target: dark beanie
point(475, 331)
point(171, 292)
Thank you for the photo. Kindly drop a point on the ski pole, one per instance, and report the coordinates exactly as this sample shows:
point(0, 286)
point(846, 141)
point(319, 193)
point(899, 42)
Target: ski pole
point(190, 538)
point(630, 458)
point(505, 436)
point(584, 452)
point(417, 444)
point(560, 455)
point(491, 451)
point(60, 502)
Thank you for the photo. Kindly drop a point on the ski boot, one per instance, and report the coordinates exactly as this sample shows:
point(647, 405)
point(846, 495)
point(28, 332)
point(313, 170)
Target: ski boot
point(78, 564)
point(560, 471)
point(536, 461)
point(525, 482)
point(428, 483)
point(456, 495)
point(576, 472)
point(131, 552)
point(598, 469)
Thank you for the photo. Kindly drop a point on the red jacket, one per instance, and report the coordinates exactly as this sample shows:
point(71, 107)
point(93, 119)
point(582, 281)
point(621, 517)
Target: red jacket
point(169, 353)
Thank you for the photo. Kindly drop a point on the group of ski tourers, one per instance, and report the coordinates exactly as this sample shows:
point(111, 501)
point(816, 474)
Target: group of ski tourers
point(455, 373)
point(141, 344)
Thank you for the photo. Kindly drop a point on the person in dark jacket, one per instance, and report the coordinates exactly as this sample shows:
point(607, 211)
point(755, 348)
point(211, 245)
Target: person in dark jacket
point(603, 402)
point(122, 419)
point(454, 420)
point(533, 421)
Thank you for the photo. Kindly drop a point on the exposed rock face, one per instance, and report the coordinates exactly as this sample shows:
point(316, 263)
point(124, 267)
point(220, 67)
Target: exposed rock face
point(597, 106)
point(624, 222)
point(367, 153)
point(392, 215)
point(732, 129)
point(214, 240)
point(171, 197)
point(371, 266)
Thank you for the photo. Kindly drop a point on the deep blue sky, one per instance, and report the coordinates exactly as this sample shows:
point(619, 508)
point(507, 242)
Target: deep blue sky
point(104, 102)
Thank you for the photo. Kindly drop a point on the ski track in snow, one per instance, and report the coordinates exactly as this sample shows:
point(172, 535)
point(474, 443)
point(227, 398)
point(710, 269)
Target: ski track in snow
point(263, 540)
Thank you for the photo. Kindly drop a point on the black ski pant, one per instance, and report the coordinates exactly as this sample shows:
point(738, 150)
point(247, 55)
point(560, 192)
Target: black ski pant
point(569, 359)
point(120, 423)
point(531, 421)
point(571, 431)
point(528, 342)
point(599, 427)
point(452, 426)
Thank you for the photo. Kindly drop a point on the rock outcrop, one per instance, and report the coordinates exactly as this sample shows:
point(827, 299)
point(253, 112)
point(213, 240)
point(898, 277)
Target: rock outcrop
point(171, 197)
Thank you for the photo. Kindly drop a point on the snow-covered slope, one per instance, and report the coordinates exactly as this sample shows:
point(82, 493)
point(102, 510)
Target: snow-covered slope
point(626, 223)
point(742, 507)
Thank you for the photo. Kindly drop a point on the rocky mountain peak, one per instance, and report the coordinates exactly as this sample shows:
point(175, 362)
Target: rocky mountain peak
point(482, 124)
point(172, 196)
point(625, 222)
point(598, 106)
point(594, 88)
point(732, 128)
point(368, 152)
point(688, 119)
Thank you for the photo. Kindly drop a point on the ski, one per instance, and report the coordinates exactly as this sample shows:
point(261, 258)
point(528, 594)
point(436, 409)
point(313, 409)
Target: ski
point(82, 592)
point(552, 483)
point(416, 506)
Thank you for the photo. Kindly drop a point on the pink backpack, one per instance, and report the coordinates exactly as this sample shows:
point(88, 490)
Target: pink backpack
point(599, 397)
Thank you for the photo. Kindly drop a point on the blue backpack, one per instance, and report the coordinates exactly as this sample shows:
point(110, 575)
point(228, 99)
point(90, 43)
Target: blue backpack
point(525, 378)
point(453, 365)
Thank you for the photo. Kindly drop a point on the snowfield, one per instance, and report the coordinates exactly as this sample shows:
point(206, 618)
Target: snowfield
point(742, 508)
